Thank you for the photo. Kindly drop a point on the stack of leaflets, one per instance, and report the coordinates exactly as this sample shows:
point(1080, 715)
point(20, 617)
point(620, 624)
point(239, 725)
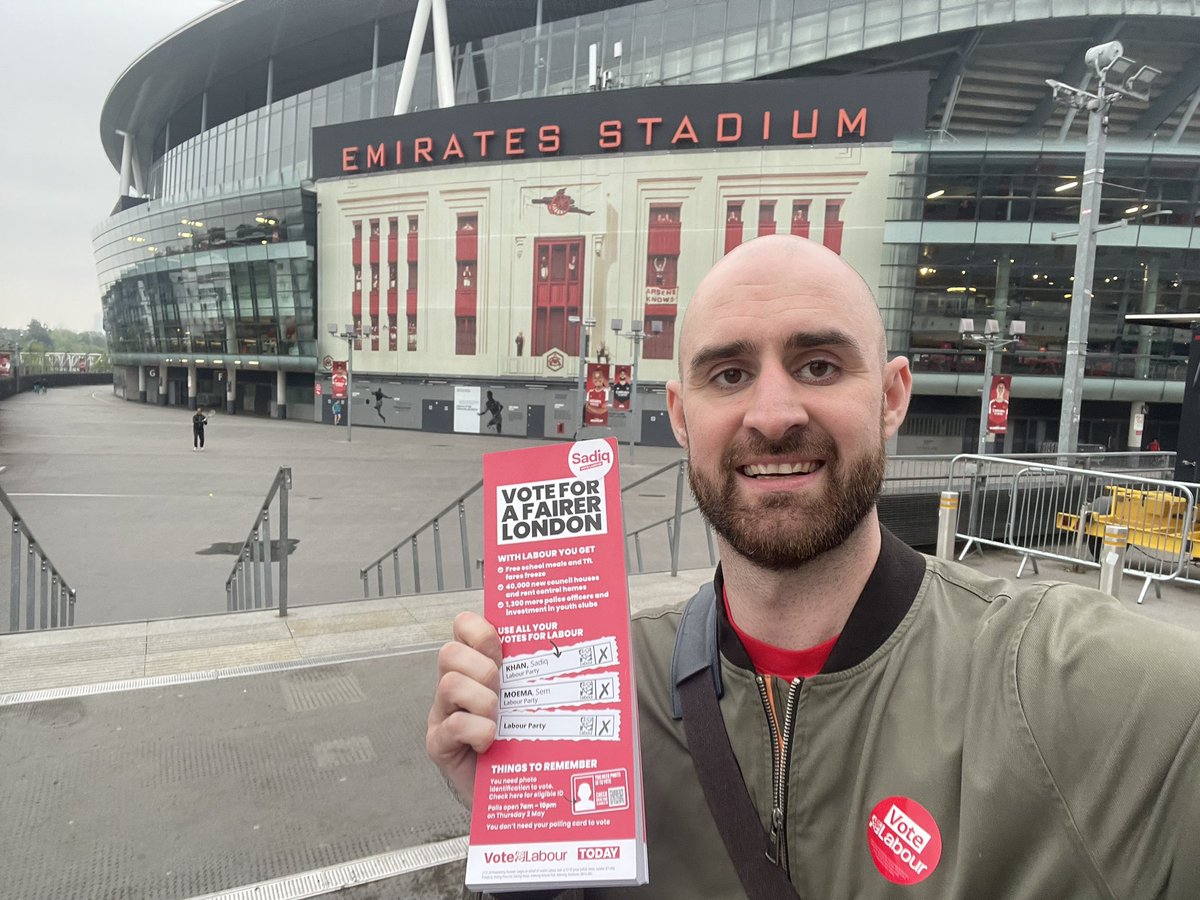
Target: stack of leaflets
point(558, 796)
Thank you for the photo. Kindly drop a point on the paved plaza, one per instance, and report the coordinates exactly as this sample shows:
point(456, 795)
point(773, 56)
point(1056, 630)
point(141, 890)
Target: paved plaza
point(143, 527)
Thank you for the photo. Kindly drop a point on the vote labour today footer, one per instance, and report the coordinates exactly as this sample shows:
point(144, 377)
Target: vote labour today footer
point(558, 796)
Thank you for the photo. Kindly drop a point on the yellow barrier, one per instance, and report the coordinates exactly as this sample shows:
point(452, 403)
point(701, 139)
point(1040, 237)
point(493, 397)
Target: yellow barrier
point(1155, 520)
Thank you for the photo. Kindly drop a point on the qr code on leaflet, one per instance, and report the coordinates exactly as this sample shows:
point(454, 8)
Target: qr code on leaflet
point(587, 725)
point(587, 690)
point(587, 655)
point(616, 796)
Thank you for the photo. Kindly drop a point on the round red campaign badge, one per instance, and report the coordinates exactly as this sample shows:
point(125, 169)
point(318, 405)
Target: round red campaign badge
point(904, 840)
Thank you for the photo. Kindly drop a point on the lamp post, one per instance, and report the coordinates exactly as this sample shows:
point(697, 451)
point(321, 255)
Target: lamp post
point(637, 335)
point(349, 334)
point(583, 323)
point(1111, 68)
point(991, 340)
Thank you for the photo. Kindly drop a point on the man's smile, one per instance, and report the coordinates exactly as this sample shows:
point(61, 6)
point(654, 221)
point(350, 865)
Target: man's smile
point(769, 470)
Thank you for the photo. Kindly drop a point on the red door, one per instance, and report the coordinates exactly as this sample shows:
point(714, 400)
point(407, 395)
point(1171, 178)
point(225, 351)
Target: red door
point(557, 294)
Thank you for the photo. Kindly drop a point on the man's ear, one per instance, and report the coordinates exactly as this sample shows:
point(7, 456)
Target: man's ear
point(675, 410)
point(897, 391)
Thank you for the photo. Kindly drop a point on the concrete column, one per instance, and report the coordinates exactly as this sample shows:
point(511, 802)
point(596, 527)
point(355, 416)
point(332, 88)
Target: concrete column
point(1137, 424)
point(191, 385)
point(162, 384)
point(126, 162)
point(442, 63)
point(1149, 304)
point(231, 390)
point(281, 394)
point(374, 67)
point(141, 384)
point(139, 179)
point(416, 40)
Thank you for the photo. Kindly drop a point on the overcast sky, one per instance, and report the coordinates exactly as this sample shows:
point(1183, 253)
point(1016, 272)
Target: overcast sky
point(58, 60)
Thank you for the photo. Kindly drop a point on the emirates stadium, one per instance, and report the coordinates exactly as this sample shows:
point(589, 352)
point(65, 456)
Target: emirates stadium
point(376, 213)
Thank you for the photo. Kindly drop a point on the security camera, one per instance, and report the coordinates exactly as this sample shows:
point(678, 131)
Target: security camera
point(1102, 56)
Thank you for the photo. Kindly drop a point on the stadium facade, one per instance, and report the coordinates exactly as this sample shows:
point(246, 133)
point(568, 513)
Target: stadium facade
point(561, 164)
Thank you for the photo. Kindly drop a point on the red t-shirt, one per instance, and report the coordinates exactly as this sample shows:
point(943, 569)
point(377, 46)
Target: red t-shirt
point(786, 664)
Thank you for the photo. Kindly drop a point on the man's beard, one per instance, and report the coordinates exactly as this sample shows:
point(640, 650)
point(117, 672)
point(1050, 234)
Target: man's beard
point(783, 531)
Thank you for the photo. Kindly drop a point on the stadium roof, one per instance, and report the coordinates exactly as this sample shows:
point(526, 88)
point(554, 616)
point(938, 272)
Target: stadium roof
point(313, 42)
point(986, 79)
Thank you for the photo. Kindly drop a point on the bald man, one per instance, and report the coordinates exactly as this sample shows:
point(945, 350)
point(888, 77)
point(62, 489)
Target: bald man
point(837, 715)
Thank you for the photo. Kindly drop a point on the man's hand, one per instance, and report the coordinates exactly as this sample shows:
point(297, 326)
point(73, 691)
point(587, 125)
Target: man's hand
point(462, 721)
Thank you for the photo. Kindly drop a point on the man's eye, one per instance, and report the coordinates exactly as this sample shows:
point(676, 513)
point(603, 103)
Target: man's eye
point(818, 370)
point(729, 377)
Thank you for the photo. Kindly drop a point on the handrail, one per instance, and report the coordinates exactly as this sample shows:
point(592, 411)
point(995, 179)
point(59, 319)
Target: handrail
point(672, 524)
point(654, 474)
point(459, 503)
point(254, 590)
point(55, 607)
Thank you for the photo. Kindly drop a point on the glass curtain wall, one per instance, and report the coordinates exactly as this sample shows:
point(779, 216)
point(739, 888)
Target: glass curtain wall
point(971, 237)
point(233, 276)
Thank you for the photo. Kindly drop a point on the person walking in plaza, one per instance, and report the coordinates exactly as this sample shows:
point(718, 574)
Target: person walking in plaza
point(839, 716)
point(493, 408)
point(199, 420)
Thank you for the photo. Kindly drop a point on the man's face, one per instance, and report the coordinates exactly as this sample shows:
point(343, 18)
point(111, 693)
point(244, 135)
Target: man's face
point(784, 402)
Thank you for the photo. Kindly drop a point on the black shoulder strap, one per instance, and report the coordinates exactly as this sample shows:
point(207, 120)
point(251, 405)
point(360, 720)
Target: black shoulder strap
point(696, 689)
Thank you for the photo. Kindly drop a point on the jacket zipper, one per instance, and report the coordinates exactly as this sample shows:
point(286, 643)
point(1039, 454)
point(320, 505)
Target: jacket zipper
point(781, 740)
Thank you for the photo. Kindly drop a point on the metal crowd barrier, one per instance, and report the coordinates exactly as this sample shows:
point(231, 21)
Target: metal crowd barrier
point(908, 505)
point(252, 584)
point(48, 603)
point(1045, 511)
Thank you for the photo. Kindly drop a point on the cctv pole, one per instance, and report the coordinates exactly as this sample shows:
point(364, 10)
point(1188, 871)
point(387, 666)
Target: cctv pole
point(633, 403)
point(581, 399)
point(1085, 261)
point(985, 395)
point(349, 388)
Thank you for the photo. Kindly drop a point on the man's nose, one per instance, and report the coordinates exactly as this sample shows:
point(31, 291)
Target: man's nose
point(778, 403)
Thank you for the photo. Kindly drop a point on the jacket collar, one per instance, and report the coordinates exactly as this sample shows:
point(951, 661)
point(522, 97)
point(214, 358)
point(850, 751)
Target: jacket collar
point(885, 600)
point(883, 603)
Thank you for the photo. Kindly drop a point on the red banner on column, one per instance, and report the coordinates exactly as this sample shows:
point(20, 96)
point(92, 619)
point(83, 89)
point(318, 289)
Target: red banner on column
point(339, 379)
point(596, 410)
point(998, 404)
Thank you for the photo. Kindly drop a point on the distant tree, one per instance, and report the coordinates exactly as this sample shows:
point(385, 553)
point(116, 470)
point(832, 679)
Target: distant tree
point(38, 333)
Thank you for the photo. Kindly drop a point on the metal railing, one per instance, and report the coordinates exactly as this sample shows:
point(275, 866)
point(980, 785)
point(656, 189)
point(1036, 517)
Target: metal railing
point(908, 505)
point(659, 505)
point(634, 506)
point(43, 595)
point(1046, 511)
point(393, 571)
point(413, 542)
point(252, 583)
